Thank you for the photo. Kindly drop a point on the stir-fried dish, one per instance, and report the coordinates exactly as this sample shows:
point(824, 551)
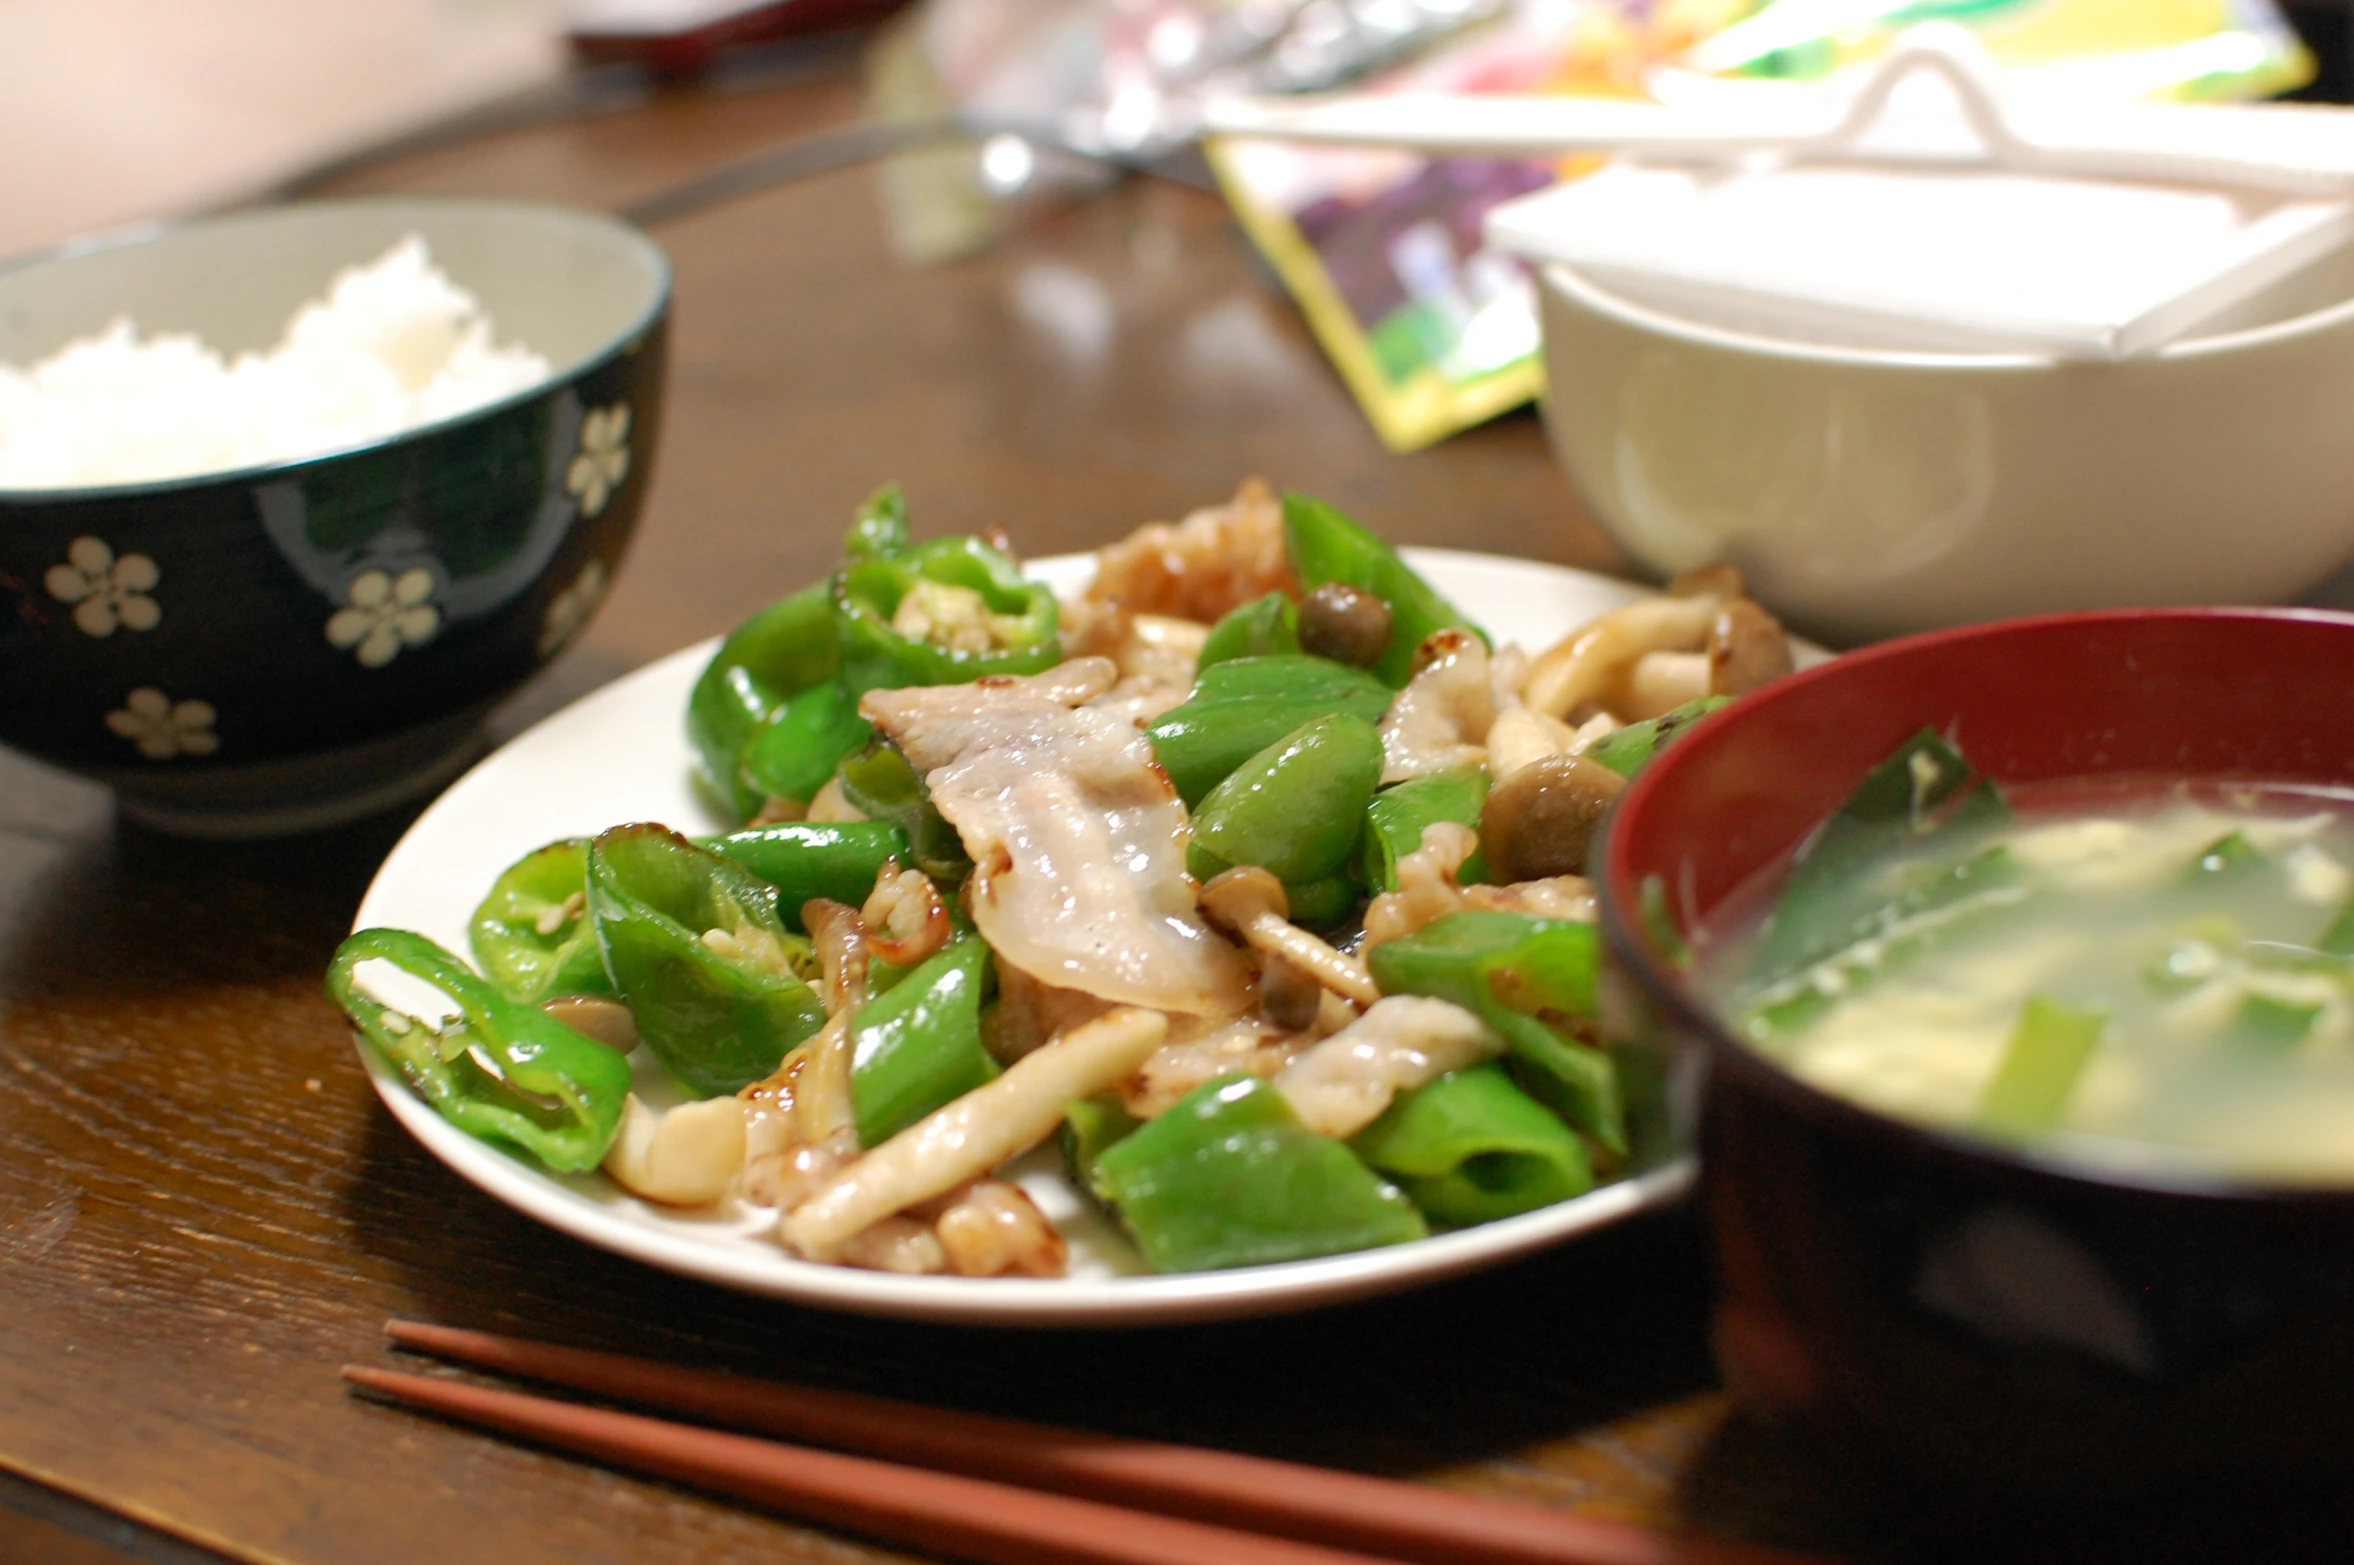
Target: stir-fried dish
point(2146, 976)
point(1252, 875)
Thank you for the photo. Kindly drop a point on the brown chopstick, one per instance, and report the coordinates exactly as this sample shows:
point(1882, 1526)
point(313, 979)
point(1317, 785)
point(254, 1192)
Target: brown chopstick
point(1404, 1521)
point(969, 1518)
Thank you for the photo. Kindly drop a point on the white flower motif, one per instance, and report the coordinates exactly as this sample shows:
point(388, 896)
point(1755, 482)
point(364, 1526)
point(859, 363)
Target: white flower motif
point(104, 590)
point(603, 459)
point(386, 613)
point(572, 607)
point(162, 727)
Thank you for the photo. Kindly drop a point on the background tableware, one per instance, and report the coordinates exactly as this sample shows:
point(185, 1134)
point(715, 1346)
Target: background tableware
point(2039, 1359)
point(284, 646)
point(1935, 200)
point(1869, 490)
point(621, 755)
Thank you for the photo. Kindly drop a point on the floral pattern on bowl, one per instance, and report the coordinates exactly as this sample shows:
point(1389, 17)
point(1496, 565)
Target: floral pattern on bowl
point(105, 591)
point(238, 632)
point(161, 728)
point(384, 614)
point(602, 462)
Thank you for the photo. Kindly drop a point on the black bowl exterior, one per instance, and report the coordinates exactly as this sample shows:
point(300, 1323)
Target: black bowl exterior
point(2040, 1361)
point(222, 626)
point(2040, 1364)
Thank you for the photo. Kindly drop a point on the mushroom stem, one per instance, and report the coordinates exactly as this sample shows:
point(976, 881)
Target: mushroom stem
point(1576, 669)
point(1252, 904)
point(1659, 682)
point(971, 1135)
point(1344, 975)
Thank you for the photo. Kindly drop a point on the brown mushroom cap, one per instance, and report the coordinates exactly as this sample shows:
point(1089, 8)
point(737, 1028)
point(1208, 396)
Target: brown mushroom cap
point(1345, 624)
point(1234, 899)
point(1539, 822)
point(1746, 647)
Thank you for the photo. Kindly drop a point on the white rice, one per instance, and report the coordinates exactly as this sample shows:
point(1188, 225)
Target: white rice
point(395, 344)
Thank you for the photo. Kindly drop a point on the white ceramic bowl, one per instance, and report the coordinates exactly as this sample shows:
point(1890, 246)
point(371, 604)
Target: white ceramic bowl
point(1869, 491)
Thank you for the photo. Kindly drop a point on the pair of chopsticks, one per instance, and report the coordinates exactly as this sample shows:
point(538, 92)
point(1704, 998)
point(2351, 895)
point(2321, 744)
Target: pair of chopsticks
point(995, 1489)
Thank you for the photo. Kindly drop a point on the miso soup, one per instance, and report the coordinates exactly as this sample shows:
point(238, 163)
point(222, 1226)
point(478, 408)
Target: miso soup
point(2138, 978)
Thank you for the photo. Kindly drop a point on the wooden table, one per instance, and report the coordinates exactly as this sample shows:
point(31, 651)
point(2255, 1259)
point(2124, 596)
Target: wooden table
point(204, 1211)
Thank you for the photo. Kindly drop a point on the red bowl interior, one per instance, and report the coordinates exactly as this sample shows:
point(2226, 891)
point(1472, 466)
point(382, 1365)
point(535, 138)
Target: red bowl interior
point(2241, 694)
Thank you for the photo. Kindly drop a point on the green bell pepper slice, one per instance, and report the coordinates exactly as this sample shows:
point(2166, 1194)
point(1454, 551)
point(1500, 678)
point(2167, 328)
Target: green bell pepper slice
point(879, 526)
point(837, 860)
point(802, 859)
point(718, 1021)
point(1019, 616)
point(502, 1070)
point(1326, 546)
point(1295, 808)
point(1398, 815)
point(781, 650)
point(793, 753)
point(532, 936)
point(1240, 707)
point(880, 785)
point(1505, 968)
point(1261, 627)
point(1630, 749)
point(776, 709)
point(919, 1045)
point(1092, 1127)
point(1324, 903)
point(1228, 1176)
point(1471, 1147)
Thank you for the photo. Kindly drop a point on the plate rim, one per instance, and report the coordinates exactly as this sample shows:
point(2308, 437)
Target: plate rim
point(561, 1202)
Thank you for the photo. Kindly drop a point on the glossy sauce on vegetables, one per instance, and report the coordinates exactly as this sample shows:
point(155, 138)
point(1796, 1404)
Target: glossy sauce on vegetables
point(2144, 979)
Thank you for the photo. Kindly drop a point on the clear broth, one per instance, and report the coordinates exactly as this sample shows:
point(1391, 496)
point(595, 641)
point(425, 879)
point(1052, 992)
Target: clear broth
point(2226, 1038)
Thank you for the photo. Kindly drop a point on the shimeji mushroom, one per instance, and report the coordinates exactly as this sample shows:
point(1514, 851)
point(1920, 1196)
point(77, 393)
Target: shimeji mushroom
point(1252, 904)
point(1345, 624)
point(1540, 821)
point(1651, 657)
point(967, 1137)
point(1745, 648)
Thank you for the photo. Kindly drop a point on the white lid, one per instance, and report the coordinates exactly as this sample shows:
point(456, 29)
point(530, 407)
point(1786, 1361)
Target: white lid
point(1961, 258)
point(1929, 219)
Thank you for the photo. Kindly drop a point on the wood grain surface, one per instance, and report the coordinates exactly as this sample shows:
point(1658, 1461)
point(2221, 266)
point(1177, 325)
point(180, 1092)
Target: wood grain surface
point(203, 1210)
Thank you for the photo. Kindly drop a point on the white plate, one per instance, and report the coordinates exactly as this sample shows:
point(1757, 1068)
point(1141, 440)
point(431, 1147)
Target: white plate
point(621, 755)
